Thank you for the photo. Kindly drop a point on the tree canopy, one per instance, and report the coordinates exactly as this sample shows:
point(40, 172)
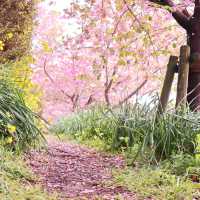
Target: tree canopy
point(16, 24)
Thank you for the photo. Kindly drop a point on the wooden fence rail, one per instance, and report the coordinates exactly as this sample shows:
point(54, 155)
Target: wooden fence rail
point(183, 73)
point(182, 85)
point(169, 77)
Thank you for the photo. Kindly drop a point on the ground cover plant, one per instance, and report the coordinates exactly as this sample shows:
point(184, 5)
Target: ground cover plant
point(17, 181)
point(96, 62)
point(134, 126)
point(18, 124)
point(155, 183)
point(161, 154)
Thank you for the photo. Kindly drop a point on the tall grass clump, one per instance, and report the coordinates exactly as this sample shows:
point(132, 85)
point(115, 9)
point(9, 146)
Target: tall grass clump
point(133, 126)
point(18, 128)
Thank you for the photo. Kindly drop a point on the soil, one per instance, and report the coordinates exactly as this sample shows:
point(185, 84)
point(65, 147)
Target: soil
point(77, 172)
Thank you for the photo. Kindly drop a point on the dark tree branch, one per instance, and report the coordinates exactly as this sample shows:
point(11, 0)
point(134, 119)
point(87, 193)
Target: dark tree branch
point(52, 80)
point(197, 3)
point(186, 13)
point(132, 93)
point(181, 16)
point(90, 100)
point(181, 19)
point(108, 86)
point(163, 2)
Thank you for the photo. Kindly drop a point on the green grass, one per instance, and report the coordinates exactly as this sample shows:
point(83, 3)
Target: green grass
point(164, 151)
point(156, 183)
point(134, 126)
point(18, 124)
point(94, 143)
point(170, 180)
point(16, 180)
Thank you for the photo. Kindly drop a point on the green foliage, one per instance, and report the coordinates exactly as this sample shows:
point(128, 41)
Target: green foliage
point(16, 180)
point(18, 127)
point(170, 142)
point(183, 165)
point(174, 133)
point(19, 73)
point(180, 163)
point(156, 183)
point(16, 24)
point(88, 124)
point(134, 126)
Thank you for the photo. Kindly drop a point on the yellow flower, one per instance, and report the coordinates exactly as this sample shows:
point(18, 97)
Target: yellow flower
point(11, 128)
point(1, 45)
point(9, 35)
point(9, 140)
point(8, 115)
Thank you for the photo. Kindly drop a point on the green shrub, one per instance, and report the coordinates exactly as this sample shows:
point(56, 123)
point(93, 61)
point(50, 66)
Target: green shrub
point(18, 128)
point(174, 133)
point(193, 173)
point(20, 74)
point(179, 164)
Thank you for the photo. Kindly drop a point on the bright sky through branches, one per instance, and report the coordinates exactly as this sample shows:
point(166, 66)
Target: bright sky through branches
point(59, 5)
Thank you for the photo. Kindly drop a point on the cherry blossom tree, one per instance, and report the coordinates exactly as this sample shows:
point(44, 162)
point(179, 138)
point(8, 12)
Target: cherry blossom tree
point(119, 49)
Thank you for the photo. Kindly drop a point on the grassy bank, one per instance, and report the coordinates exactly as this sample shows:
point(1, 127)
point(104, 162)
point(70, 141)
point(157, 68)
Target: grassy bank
point(16, 180)
point(155, 183)
point(171, 179)
point(162, 155)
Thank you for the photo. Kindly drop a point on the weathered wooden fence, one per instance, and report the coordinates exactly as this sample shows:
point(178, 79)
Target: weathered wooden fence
point(182, 63)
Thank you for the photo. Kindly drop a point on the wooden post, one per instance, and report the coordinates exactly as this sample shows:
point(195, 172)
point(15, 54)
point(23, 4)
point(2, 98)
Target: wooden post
point(183, 74)
point(169, 77)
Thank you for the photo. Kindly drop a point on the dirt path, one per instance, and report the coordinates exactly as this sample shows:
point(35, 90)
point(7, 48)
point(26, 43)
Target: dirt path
point(76, 172)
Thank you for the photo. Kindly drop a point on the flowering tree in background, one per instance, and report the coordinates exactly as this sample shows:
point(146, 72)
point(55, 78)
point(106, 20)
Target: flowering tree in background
point(119, 49)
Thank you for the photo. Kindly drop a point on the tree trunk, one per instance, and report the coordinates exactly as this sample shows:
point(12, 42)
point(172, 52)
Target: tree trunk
point(194, 91)
point(194, 74)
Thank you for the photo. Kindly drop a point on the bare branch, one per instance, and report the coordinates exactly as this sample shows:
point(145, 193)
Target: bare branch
point(163, 2)
point(90, 100)
point(52, 80)
point(133, 93)
point(108, 86)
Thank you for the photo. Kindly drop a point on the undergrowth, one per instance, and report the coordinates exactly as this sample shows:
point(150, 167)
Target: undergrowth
point(155, 183)
point(18, 124)
point(16, 180)
point(161, 152)
point(134, 127)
